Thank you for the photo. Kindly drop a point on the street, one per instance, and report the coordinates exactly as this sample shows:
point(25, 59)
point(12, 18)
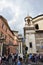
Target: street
point(5, 63)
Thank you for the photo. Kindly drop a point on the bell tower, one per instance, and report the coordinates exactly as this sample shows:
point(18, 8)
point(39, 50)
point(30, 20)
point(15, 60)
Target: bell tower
point(29, 35)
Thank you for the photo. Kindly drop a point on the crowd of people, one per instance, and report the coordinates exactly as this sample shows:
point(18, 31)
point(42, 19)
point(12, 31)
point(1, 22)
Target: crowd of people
point(11, 59)
point(36, 58)
point(14, 59)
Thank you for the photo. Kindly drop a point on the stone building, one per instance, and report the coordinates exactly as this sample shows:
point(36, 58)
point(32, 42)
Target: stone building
point(6, 37)
point(20, 43)
point(33, 34)
point(15, 41)
point(9, 40)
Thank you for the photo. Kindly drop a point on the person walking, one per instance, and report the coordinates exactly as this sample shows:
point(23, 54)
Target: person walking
point(19, 61)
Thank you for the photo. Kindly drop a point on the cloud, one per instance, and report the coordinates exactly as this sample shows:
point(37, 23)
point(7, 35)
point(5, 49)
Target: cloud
point(16, 10)
point(7, 13)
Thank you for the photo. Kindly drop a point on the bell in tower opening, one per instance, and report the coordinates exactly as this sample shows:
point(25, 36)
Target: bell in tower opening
point(28, 20)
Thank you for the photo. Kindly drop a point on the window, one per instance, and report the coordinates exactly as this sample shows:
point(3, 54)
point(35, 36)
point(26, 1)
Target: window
point(2, 25)
point(30, 44)
point(36, 26)
point(4, 51)
point(0, 48)
point(6, 29)
point(0, 34)
point(41, 44)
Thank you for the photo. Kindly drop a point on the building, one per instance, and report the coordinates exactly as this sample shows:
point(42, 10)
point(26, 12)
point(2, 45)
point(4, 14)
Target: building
point(9, 40)
point(6, 37)
point(20, 42)
point(33, 34)
point(15, 41)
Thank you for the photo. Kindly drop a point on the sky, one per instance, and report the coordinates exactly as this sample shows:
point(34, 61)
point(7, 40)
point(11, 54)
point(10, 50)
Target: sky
point(16, 10)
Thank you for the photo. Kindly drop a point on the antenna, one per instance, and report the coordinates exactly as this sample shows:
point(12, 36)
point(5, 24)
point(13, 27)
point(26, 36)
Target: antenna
point(27, 14)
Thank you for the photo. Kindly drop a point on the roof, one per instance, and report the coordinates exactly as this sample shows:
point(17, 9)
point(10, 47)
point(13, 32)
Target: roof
point(28, 17)
point(15, 31)
point(19, 34)
point(38, 16)
point(12, 32)
point(5, 21)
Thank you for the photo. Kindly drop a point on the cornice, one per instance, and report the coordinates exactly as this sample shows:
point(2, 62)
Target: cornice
point(39, 31)
point(29, 28)
point(37, 18)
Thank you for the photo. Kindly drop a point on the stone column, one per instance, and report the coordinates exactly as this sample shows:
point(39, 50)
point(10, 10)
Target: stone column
point(1, 48)
point(21, 47)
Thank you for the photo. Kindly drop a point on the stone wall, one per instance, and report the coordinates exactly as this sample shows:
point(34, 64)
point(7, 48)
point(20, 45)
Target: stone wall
point(39, 42)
